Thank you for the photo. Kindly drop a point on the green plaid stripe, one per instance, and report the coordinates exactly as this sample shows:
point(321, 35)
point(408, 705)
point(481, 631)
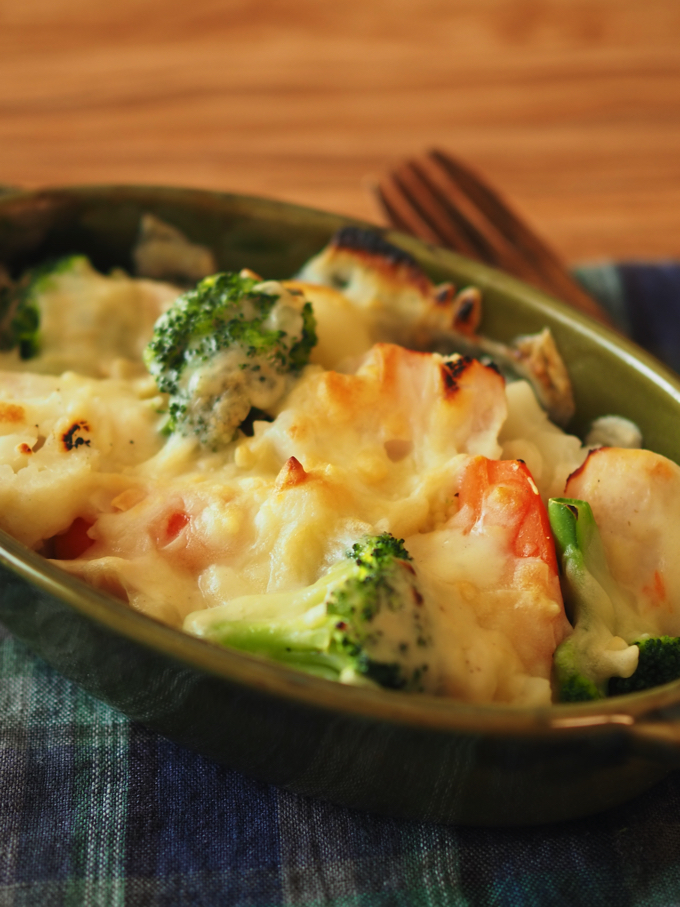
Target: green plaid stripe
point(71, 893)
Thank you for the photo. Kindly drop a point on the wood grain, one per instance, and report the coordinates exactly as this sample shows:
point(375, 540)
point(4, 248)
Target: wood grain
point(571, 107)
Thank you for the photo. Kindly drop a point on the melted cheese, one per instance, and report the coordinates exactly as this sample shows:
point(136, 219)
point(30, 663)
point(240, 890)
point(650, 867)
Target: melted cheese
point(380, 445)
point(67, 445)
point(94, 324)
point(528, 434)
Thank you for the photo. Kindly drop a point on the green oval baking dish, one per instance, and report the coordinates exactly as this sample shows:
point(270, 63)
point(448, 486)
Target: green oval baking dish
point(411, 756)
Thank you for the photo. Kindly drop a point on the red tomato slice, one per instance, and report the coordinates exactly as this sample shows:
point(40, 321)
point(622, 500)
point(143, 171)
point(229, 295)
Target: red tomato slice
point(175, 524)
point(171, 526)
point(503, 493)
point(72, 543)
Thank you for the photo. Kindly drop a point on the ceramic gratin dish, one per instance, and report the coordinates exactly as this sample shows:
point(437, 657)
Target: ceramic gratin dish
point(407, 755)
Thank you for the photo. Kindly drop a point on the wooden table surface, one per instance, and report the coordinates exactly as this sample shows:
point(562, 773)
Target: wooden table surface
point(571, 107)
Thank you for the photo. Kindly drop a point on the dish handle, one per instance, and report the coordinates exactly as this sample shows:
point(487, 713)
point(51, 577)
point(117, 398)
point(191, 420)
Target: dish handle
point(653, 735)
point(658, 738)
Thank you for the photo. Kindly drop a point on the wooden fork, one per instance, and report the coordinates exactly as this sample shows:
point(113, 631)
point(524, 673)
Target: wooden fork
point(437, 198)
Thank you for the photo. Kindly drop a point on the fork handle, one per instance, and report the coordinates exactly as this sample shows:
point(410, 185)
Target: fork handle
point(558, 282)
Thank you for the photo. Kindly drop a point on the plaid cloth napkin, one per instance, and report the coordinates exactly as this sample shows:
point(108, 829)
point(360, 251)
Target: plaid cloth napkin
point(96, 810)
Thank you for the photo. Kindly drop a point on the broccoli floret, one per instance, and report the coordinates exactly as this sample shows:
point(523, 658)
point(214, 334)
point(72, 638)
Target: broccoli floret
point(364, 622)
point(23, 304)
point(606, 655)
point(226, 346)
point(577, 688)
point(659, 662)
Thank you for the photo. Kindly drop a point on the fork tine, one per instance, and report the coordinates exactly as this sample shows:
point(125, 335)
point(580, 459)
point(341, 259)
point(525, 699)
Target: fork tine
point(498, 249)
point(442, 201)
point(551, 272)
point(494, 206)
point(415, 205)
point(400, 213)
point(429, 205)
point(433, 209)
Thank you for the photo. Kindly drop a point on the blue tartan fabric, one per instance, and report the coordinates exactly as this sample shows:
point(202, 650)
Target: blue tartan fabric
point(97, 810)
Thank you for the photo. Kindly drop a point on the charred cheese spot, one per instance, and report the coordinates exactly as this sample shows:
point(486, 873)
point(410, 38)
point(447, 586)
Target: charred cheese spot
point(73, 438)
point(451, 372)
point(24, 448)
point(10, 412)
point(370, 242)
point(467, 311)
point(448, 379)
point(444, 294)
point(372, 250)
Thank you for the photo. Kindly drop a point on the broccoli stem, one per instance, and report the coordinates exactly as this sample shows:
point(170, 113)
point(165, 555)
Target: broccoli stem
point(287, 641)
point(363, 622)
point(594, 652)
